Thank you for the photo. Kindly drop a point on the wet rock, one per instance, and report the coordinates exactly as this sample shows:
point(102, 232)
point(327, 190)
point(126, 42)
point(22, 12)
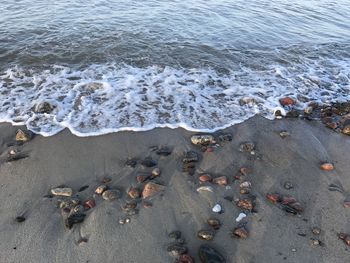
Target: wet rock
point(134, 193)
point(287, 101)
point(288, 185)
point(246, 203)
point(111, 195)
point(247, 147)
point(205, 234)
point(247, 101)
point(62, 191)
point(214, 223)
point(163, 151)
point(140, 178)
point(43, 107)
point(152, 189)
point(131, 162)
point(217, 208)
point(245, 187)
point(74, 219)
point(82, 241)
point(129, 206)
point(240, 217)
point(240, 232)
point(90, 203)
point(185, 259)
point(315, 242)
point(23, 136)
point(274, 198)
point(191, 157)
point(205, 189)
point(284, 134)
point(124, 221)
point(316, 230)
point(202, 139)
point(148, 162)
point(345, 238)
point(68, 204)
point(155, 172)
point(346, 127)
point(244, 171)
point(327, 166)
point(208, 254)
point(205, 178)
point(176, 250)
point(189, 168)
point(147, 204)
point(20, 219)
point(78, 209)
point(293, 113)
point(222, 180)
point(175, 234)
point(100, 189)
point(308, 110)
point(225, 137)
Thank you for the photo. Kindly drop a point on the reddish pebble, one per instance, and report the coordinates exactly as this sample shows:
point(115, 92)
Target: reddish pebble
point(90, 203)
point(273, 198)
point(286, 101)
point(141, 178)
point(222, 180)
point(134, 193)
point(244, 171)
point(152, 189)
point(346, 204)
point(210, 149)
point(205, 178)
point(327, 167)
point(147, 204)
point(185, 259)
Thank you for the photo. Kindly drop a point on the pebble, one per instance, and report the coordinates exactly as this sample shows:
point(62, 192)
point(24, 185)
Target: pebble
point(208, 254)
point(214, 223)
point(106, 180)
point(74, 219)
point(43, 107)
point(205, 178)
point(191, 157)
point(316, 230)
point(284, 134)
point(205, 234)
point(142, 178)
point(245, 204)
point(346, 129)
point(288, 185)
point(308, 110)
point(240, 232)
point(247, 147)
point(111, 195)
point(100, 189)
point(327, 166)
point(131, 162)
point(155, 172)
point(202, 139)
point(240, 217)
point(274, 198)
point(287, 101)
point(23, 136)
point(148, 162)
point(82, 240)
point(90, 203)
point(134, 193)
point(20, 219)
point(244, 171)
point(124, 221)
point(222, 180)
point(345, 238)
point(175, 234)
point(185, 259)
point(245, 187)
point(164, 151)
point(205, 189)
point(152, 189)
point(176, 250)
point(315, 242)
point(217, 208)
point(62, 191)
point(78, 209)
point(147, 204)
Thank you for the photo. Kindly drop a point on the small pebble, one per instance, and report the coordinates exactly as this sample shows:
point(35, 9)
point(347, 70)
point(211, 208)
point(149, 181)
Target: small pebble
point(100, 189)
point(217, 208)
point(214, 223)
point(327, 166)
point(314, 242)
point(20, 219)
point(62, 191)
point(110, 195)
point(288, 185)
point(205, 234)
point(240, 217)
point(316, 231)
point(284, 134)
point(294, 250)
point(155, 172)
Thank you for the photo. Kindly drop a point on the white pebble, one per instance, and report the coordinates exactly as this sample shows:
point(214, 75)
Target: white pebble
point(217, 208)
point(240, 217)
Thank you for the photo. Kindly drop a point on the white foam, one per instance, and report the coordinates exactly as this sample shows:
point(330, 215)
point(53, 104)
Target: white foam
point(102, 99)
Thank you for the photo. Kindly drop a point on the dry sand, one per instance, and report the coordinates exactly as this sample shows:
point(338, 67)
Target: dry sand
point(67, 159)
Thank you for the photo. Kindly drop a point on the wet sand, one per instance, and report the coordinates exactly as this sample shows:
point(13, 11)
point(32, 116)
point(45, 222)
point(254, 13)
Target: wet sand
point(275, 236)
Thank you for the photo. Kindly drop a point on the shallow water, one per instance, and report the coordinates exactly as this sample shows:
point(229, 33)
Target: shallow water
point(134, 65)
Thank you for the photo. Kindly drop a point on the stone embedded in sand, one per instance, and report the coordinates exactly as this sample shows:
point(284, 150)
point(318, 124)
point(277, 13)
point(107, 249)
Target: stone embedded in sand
point(175, 234)
point(43, 107)
point(308, 110)
point(247, 100)
point(315, 242)
point(202, 139)
point(62, 191)
point(189, 168)
point(205, 189)
point(222, 180)
point(214, 223)
point(286, 203)
point(132, 162)
point(287, 101)
point(288, 185)
point(240, 232)
point(205, 178)
point(208, 254)
point(148, 162)
point(225, 137)
point(155, 172)
point(147, 204)
point(176, 250)
point(142, 178)
point(205, 234)
point(90, 203)
point(284, 134)
point(74, 219)
point(185, 259)
point(346, 126)
point(152, 189)
point(327, 166)
point(111, 195)
point(245, 187)
point(274, 198)
point(246, 203)
point(316, 230)
point(82, 241)
point(100, 189)
point(23, 136)
point(244, 171)
point(20, 219)
point(191, 157)
point(247, 147)
point(346, 204)
point(345, 238)
point(217, 208)
point(129, 206)
point(163, 151)
point(134, 193)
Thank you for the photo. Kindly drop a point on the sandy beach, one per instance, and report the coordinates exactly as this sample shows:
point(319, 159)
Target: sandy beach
point(274, 235)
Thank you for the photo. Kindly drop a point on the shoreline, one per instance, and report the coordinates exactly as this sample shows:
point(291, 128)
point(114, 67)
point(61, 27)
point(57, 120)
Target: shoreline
point(274, 235)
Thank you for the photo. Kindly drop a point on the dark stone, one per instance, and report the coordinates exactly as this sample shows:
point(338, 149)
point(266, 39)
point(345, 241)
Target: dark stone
point(247, 147)
point(148, 162)
point(205, 234)
point(43, 107)
point(190, 157)
point(176, 249)
point(83, 188)
point(164, 151)
point(74, 219)
point(131, 162)
point(208, 254)
point(20, 219)
point(214, 223)
point(175, 234)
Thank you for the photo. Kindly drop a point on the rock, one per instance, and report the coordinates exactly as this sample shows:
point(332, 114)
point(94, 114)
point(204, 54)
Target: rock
point(240, 217)
point(129, 206)
point(208, 254)
point(247, 101)
point(185, 259)
point(83, 188)
point(346, 204)
point(225, 137)
point(346, 127)
point(152, 189)
point(244, 171)
point(245, 187)
point(205, 234)
point(90, 203)
point(148, 162)
point(279, 112)
point(247, 147)
point(327, 166)
point(23, 136)
point(191, 157)
point(308, 110)
point(20, 219)
point(316, 230)
point(287, 101)
point(240, 232)
point(134, 193)
point(155, 172)
point(131, 162)
point(214, 223)
point(315, 242)
point(176, 250)
point(189, 168)
point(164, 151)
point(82, 240)
point(205, 189)
point(246, 203)
point(142, 178)
point(74, 219)
point(345, 238)
point(15, 156)
point(217, 208)
point(205, 178)
point(284, 134)
point(100, 189)
point(67, 205)
point(175, 234)
point(222, 180)
point(43, 107)
point(202, 139)
point(111, 195)
point(147, 204)
point(62, 191)
point(78, 209)
point(288, 185)
point(274, 198)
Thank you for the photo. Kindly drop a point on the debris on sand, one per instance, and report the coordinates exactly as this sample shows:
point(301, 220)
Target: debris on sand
point(286, 203)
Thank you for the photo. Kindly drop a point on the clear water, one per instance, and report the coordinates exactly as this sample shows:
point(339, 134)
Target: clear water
point(134, 65)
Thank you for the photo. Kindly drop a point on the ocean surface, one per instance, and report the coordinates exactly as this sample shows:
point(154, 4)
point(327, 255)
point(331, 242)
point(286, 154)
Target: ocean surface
point(114, 65)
